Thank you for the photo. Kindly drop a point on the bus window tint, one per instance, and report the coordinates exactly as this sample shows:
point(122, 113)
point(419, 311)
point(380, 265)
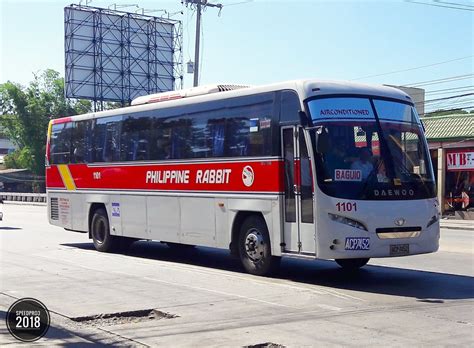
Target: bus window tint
point(237, 136)
point(201, 143)
point(80, 142)
point(61, 143)
point(160, 139)
point(216, 134)
point(106, 135)
point(233, 128)
point(181, 132)
point(290, 105)
point(248, 131)
point(135, 142)
point(237, 131)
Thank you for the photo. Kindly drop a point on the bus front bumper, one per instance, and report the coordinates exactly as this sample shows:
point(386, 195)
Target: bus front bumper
point(378, 236)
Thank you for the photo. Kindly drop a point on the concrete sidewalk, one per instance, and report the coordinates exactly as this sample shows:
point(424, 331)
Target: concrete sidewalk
point(457, 224)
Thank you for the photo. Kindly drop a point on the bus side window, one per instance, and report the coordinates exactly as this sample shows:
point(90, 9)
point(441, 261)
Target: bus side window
point(112, 140)
point(79, 149)
point(106, 135)
point(248, 130)
point(61, 143)
point(236, 134)
point(200, 142)
point(290, 105)
point(181, 133)
point(216, 129)
point(160, 139)
point(135, 137)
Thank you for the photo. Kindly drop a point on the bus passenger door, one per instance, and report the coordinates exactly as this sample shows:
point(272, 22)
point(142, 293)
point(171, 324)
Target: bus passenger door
point(299, 228)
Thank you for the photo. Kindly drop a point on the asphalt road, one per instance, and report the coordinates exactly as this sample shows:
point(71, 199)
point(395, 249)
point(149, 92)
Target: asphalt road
point(210, 301)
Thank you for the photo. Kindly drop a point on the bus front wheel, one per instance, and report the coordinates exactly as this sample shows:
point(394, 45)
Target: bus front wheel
point(100, 232)
point(254, 247)
point(352, 264)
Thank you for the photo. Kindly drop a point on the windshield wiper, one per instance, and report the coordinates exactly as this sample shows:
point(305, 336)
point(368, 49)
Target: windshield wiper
point(384, 149)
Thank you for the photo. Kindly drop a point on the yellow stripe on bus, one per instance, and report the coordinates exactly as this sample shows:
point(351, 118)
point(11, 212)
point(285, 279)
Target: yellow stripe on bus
point(50, 127)
point(66, 176)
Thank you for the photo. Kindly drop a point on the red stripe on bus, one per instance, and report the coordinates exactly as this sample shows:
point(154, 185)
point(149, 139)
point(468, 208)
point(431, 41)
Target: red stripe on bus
point(262, 176)
point(297, 173)
point(165, 98)
point(61, 120)
point(53, 178)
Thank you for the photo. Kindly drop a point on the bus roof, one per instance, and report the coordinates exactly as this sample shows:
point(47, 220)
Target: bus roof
point(304, 88)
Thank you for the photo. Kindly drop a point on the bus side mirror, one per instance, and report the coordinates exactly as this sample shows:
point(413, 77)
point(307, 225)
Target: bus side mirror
point(304, 119)
point(321, 140)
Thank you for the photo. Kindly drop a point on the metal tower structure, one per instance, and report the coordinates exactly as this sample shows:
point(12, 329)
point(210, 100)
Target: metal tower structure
point(117, 56)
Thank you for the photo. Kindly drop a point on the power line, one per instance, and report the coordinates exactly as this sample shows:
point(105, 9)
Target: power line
point(444, 91)
point(459, 99)
point(202, 50)
point(237, 3)
point(450, 93)
point(455, 101)
point(188, 20)
point(437, 81)
point(200, 5)
point(458, 102)
point(415, 68)
point(438, 5)
point(461, 105)
point(453, 3)
point(445, 98)
point(447, 90)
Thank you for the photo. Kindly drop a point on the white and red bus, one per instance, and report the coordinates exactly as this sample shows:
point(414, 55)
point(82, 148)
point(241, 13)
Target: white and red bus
point(318, 169)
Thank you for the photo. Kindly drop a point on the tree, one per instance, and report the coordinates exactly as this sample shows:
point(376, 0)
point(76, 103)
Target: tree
point(443, 112)
point(26, 112)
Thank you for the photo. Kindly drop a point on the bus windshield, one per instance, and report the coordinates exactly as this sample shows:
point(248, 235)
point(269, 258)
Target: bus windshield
point(370, 149)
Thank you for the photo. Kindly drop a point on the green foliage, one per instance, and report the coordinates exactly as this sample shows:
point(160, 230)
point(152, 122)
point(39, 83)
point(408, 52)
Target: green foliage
point(21, 158)
point(26, 112)
point(442, 112)
point(114, 105)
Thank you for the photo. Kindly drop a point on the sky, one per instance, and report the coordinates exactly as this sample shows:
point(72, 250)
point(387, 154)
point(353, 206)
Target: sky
point(258, 42)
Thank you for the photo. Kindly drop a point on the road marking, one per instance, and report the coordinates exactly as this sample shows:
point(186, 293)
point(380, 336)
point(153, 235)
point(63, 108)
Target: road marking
point(331, 308)
point(221, 293)
point(176, 284)
point(248, 277)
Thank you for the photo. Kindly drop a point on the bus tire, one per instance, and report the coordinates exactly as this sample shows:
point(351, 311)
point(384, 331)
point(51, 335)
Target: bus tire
point(254, 247)
point(100, 233)
point(352, 264)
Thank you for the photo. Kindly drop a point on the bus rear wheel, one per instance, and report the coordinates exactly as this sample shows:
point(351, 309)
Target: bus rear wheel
point(254, 247)
point(100, 232)
point(352, 264)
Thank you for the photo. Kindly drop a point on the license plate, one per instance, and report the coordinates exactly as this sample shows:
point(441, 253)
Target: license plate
point(357, 243)
point(399, 249)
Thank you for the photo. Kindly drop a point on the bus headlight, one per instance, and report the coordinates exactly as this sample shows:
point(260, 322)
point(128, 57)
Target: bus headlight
point(433, 220)
point(347, 221)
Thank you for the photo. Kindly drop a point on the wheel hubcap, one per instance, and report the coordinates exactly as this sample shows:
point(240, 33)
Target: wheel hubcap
point(254, 245)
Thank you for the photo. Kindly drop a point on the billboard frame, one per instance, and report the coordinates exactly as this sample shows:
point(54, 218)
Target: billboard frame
point(103, 48)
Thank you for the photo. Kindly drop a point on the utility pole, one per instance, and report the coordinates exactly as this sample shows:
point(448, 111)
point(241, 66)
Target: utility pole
point(200, 4)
